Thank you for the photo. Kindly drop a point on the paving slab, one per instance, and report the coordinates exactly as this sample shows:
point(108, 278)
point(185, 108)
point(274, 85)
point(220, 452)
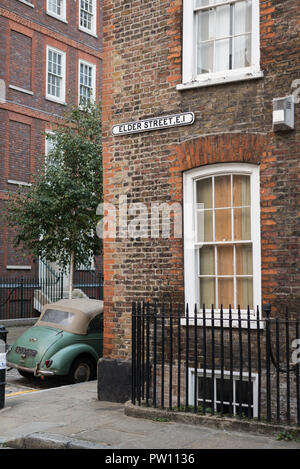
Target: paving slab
point(72, 416)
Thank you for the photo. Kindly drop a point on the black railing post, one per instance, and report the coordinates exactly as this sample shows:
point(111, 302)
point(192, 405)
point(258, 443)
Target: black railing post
point(22, 296)
point(133, 351)
point(288, 390)
point(187, 360)
point(61, 286)
point(249, 365)
point(258, 362)
point(230, 364)
point(297, 377)
point(212, 397)
point(277, 369)
point(179, 359)
point(139, 350)
point(195, 360)
point(3, 339)
point(267, 310)
point(162, 398)
point(171, 359)
point(204, 361)
point(154, 355)
point(147, 353)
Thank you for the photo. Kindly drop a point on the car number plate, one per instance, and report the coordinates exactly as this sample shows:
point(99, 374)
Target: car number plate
point(26, 351)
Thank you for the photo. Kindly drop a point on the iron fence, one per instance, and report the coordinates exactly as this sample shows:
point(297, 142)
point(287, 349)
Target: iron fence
point(25, 297)
point(222, 363)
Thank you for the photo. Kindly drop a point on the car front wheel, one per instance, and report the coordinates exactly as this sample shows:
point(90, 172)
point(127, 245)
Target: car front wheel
point(83, 369)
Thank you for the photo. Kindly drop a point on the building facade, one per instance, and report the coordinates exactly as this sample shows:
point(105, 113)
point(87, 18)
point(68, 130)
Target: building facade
point(50, 59)
point(188, 121)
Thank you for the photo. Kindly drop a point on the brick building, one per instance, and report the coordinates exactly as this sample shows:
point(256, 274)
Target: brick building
point(50, 58)
point(235, 174)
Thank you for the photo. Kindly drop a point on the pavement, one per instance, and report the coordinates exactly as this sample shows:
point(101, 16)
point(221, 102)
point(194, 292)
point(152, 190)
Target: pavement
point(71, 416)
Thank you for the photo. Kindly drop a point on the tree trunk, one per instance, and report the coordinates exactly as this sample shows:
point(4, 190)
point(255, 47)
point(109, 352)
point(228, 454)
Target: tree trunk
point(71, 275)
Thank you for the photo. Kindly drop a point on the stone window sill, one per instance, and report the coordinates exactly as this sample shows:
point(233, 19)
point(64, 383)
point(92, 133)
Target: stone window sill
point(220, 80)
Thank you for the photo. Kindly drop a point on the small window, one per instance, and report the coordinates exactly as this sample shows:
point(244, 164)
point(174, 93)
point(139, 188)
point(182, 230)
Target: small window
point(87, 80)
point(56, 63)
point(87, 16)
point(220, 40)
point(57, 8)
point(227, 393)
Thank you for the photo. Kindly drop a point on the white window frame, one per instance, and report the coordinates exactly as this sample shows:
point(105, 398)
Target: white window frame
point(93, 30)
point(62, 16)
point(27, 3)
point(50, 97)
point(226, 374)
point(93, 66)
point(190, 247)
point(190, 79)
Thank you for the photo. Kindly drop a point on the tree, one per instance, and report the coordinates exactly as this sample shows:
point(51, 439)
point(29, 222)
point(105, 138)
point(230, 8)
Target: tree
point(55, 219)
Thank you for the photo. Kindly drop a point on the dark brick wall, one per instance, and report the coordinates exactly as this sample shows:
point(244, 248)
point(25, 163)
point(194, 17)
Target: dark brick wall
point(142, 66)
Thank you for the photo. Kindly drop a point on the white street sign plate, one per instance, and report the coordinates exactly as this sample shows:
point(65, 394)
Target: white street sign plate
point(154, 123)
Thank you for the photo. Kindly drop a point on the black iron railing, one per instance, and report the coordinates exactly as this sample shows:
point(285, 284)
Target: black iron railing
point(223, 363)
point(25, 297)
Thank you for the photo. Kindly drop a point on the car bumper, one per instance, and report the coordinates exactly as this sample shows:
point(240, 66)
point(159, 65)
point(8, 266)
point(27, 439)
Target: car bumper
point(35, 371)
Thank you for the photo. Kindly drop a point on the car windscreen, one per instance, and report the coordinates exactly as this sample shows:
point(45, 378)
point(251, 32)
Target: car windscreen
point(55, 316)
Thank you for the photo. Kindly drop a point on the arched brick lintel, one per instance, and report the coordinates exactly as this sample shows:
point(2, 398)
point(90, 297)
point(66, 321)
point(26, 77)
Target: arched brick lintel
point(220, 148)
point(233, 147)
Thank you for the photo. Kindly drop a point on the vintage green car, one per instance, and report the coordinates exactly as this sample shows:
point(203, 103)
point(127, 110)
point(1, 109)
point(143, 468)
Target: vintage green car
point(66, 340)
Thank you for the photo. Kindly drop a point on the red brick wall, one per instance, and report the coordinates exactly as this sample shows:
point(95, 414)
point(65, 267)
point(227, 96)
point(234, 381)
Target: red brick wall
point(24, 35)
point(142, 66)
point(20, 60)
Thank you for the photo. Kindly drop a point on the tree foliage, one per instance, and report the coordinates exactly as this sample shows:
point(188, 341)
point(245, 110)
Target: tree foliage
point(55, 218)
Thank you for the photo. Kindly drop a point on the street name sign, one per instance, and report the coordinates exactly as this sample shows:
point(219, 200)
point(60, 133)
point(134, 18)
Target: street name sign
point(154, 123)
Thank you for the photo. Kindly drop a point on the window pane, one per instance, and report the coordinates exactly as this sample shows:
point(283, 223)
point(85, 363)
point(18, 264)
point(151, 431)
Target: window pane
point(244, 259)
point(224, 389)
point(204, 226)
point(242, 51)
point(205, 388)
point(225, 260)
point(223, 225)
point(244, 292)
point(207, 292)
point(222, 191)
point(222, 55)
point(204, 3)
point(207, 260)
point(222, 21)
point(206, 26)
point(242, 224)
point(241, 389)
point(204, 192)
point(242, 17)
point(225, 292)
point(241, 190)
point(205, 57)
